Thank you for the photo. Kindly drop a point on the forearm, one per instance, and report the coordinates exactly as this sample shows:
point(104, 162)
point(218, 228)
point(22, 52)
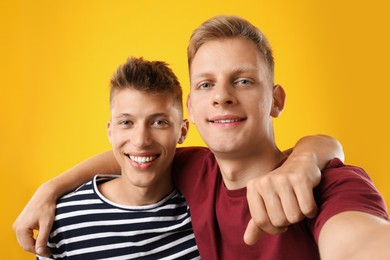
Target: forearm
point(39, 212)
point(69, 180)
point(319, 148)
point(355, 235)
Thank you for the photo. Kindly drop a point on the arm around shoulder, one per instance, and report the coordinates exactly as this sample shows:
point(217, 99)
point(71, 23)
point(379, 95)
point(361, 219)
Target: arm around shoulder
point(103, 163)
point(319, 148)
point(39, 212)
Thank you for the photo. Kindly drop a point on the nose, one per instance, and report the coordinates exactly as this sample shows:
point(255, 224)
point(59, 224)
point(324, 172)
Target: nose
point(141, 136)
point(223, 95)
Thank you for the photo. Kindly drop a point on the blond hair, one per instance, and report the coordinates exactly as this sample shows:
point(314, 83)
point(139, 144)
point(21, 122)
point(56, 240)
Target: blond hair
point(225, 27)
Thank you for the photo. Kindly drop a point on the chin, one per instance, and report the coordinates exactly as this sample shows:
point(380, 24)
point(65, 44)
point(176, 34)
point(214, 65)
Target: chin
point(221, 148)
point(142, 181)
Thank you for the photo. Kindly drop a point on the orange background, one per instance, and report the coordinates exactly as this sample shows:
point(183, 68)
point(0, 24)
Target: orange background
point(57, 57)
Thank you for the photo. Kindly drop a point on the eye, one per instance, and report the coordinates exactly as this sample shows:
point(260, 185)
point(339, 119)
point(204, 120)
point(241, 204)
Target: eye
point(244, 82)
point(160, 123)
point(205, 85)
point(125, 123)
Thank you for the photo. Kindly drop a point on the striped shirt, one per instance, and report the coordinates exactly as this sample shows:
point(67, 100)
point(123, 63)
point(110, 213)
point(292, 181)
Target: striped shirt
point(89, 226)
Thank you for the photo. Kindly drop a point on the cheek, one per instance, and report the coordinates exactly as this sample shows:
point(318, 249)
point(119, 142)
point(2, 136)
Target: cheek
point(198, 110)
point(260, 104)
point(190, 108)
point(166, 139)
point(118, 138)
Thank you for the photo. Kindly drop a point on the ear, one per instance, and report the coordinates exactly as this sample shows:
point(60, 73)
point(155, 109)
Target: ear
point(109, 134)
point(184, 131)
point(189, 109)
point(278, 100)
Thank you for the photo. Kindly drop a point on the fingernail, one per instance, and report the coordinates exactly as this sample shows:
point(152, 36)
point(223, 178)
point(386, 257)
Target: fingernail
point(39, 250)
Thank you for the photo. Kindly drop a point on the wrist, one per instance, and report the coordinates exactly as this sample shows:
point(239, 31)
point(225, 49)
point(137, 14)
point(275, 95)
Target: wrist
point(303, 156)
point(50, 189)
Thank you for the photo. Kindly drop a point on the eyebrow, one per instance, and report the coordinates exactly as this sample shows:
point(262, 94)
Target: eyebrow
point(243, 69)
point(236, 70)
point(122, 115)
point(149, 116)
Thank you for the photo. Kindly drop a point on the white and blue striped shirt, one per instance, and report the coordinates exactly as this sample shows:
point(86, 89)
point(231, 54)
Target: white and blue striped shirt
point(89, 226)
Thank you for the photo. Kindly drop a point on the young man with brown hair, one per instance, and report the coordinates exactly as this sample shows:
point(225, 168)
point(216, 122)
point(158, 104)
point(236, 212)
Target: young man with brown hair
point(137, 214)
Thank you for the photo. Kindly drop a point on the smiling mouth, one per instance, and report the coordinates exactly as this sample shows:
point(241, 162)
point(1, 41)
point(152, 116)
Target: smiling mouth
point(142, 159)
point(226, 121)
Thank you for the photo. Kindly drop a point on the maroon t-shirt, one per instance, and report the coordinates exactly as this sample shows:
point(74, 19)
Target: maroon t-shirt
point(220, 216)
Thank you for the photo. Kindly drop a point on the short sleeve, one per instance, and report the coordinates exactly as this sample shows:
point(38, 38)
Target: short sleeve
point(345, 188)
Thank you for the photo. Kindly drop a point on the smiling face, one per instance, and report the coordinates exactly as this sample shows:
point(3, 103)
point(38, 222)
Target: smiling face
point(144, 130)
point(232, 100)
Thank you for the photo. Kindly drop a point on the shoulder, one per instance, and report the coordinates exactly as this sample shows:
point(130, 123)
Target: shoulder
point(86, 194)
point(197, 151)
point(346, 188)
point(194, 167)
point(346, 183)
point(84, 189)
point(192, 156)
point(337, 174)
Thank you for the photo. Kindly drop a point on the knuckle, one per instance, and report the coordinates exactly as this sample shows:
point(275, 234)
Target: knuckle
point(18, 231)
point(14, 227)
point(299, 177)
point(251, 185)
point(280, 179)
point(28, 248)
point(265, 181)
point(259, 221)
point(309, 210)
point(279, 222)
point(259, 183)
point(295, 217)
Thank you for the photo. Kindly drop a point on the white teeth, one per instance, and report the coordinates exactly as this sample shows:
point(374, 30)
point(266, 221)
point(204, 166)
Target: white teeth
point(142, 159)
point(227, 121)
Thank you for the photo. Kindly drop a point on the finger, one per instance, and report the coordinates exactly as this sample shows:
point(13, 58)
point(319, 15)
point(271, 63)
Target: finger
point(256, 205)
point(252, 233)
point(274, 209)
point(43, 251)
point(42, 238)
point(290, 205)
point(259, 212)
point(306, 201)
point(26, 240)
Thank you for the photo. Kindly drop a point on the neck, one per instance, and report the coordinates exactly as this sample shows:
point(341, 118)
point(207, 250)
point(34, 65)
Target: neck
point(238, 170)
point(121, 192)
